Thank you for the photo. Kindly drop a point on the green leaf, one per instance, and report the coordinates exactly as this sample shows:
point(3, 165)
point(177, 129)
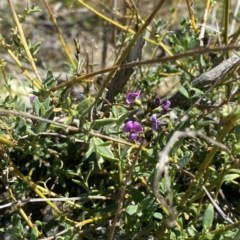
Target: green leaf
point(34, 234)
point(34, 49)
point(208, 217)
point(21, 126)
point(122, 118)
point(103, 144)
point(237, 236)
point(230, 177)
point(33, 9)
point(69, 120)
point(37, 106)
point(202, 61)
point(115, 111)
point(102, 149)
point(131, 209)
point(46, 103)
point(205, 123)
point(103, 122)
point(184, 160)
point(84, 123)
point(89, 152)
point(16, 222)
point(183, 91)
point(50, 80)
point(192, 231)
point(83, 105)
point(109, 208)
point(196, 90)
point(81, 183)
point(234, 170)
point(124, 151)
point(176, 146)
point(42, 126)
point(158, 215)
point(237, 132)
point(21, 107)
point(147, 203)
point(136, 195)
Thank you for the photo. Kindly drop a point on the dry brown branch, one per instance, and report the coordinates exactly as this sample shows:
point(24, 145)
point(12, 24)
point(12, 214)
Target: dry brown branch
point(121, 77)
point(211, 77)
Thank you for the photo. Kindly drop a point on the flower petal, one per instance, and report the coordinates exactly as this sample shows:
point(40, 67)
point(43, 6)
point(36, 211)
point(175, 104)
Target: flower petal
point(158, 101)
point(132, 96)
point(139, 139)
point(133, 136)
point(154, 117)
point(137, 127)
point(32, 98)
point(166, 105)
point(155, 125)
point(128, 126)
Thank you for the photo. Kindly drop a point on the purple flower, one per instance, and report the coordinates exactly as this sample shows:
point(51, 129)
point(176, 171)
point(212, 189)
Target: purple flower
point(132, 96)
point(158, 101)
point(155, 122)
point(166, 105)
point(133, 128)
point(134, 136)
point(32, 98)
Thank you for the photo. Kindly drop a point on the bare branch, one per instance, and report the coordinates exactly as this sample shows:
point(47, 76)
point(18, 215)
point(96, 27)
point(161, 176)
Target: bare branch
point(213, 76)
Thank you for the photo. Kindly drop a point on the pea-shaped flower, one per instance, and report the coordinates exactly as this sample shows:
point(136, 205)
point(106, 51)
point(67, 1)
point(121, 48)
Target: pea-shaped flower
point(158, 101)
point(155, 122)
point(132, 96)
point(166, 105)
point(133, 128)
point(32, 98)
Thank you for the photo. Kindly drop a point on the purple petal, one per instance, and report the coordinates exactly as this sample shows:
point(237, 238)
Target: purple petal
point(139, 139)
point(137, 127)
point(154, 117)
point(133, 136)
point(166, 105)
point(155, 125)
point(132, 96)
point(158, 101)
point(128, 126)
point(138, 93)
point(32, 98)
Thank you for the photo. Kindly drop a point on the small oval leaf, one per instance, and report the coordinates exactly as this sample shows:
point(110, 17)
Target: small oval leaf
point(158, 215)
point(103, 122)
point(208, 217)
point(183, 91)
point(184, 160)
point(230, 177)
point(136, 195)
point(132, 209)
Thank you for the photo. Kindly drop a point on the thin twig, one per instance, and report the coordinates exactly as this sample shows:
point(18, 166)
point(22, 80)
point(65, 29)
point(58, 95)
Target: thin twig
point(81, 79)
point(24, 42)
point(53, 200)
point(66, 128)
point(59, 34)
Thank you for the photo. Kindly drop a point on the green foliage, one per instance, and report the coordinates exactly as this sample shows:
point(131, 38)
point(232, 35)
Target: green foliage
point(63, 143)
